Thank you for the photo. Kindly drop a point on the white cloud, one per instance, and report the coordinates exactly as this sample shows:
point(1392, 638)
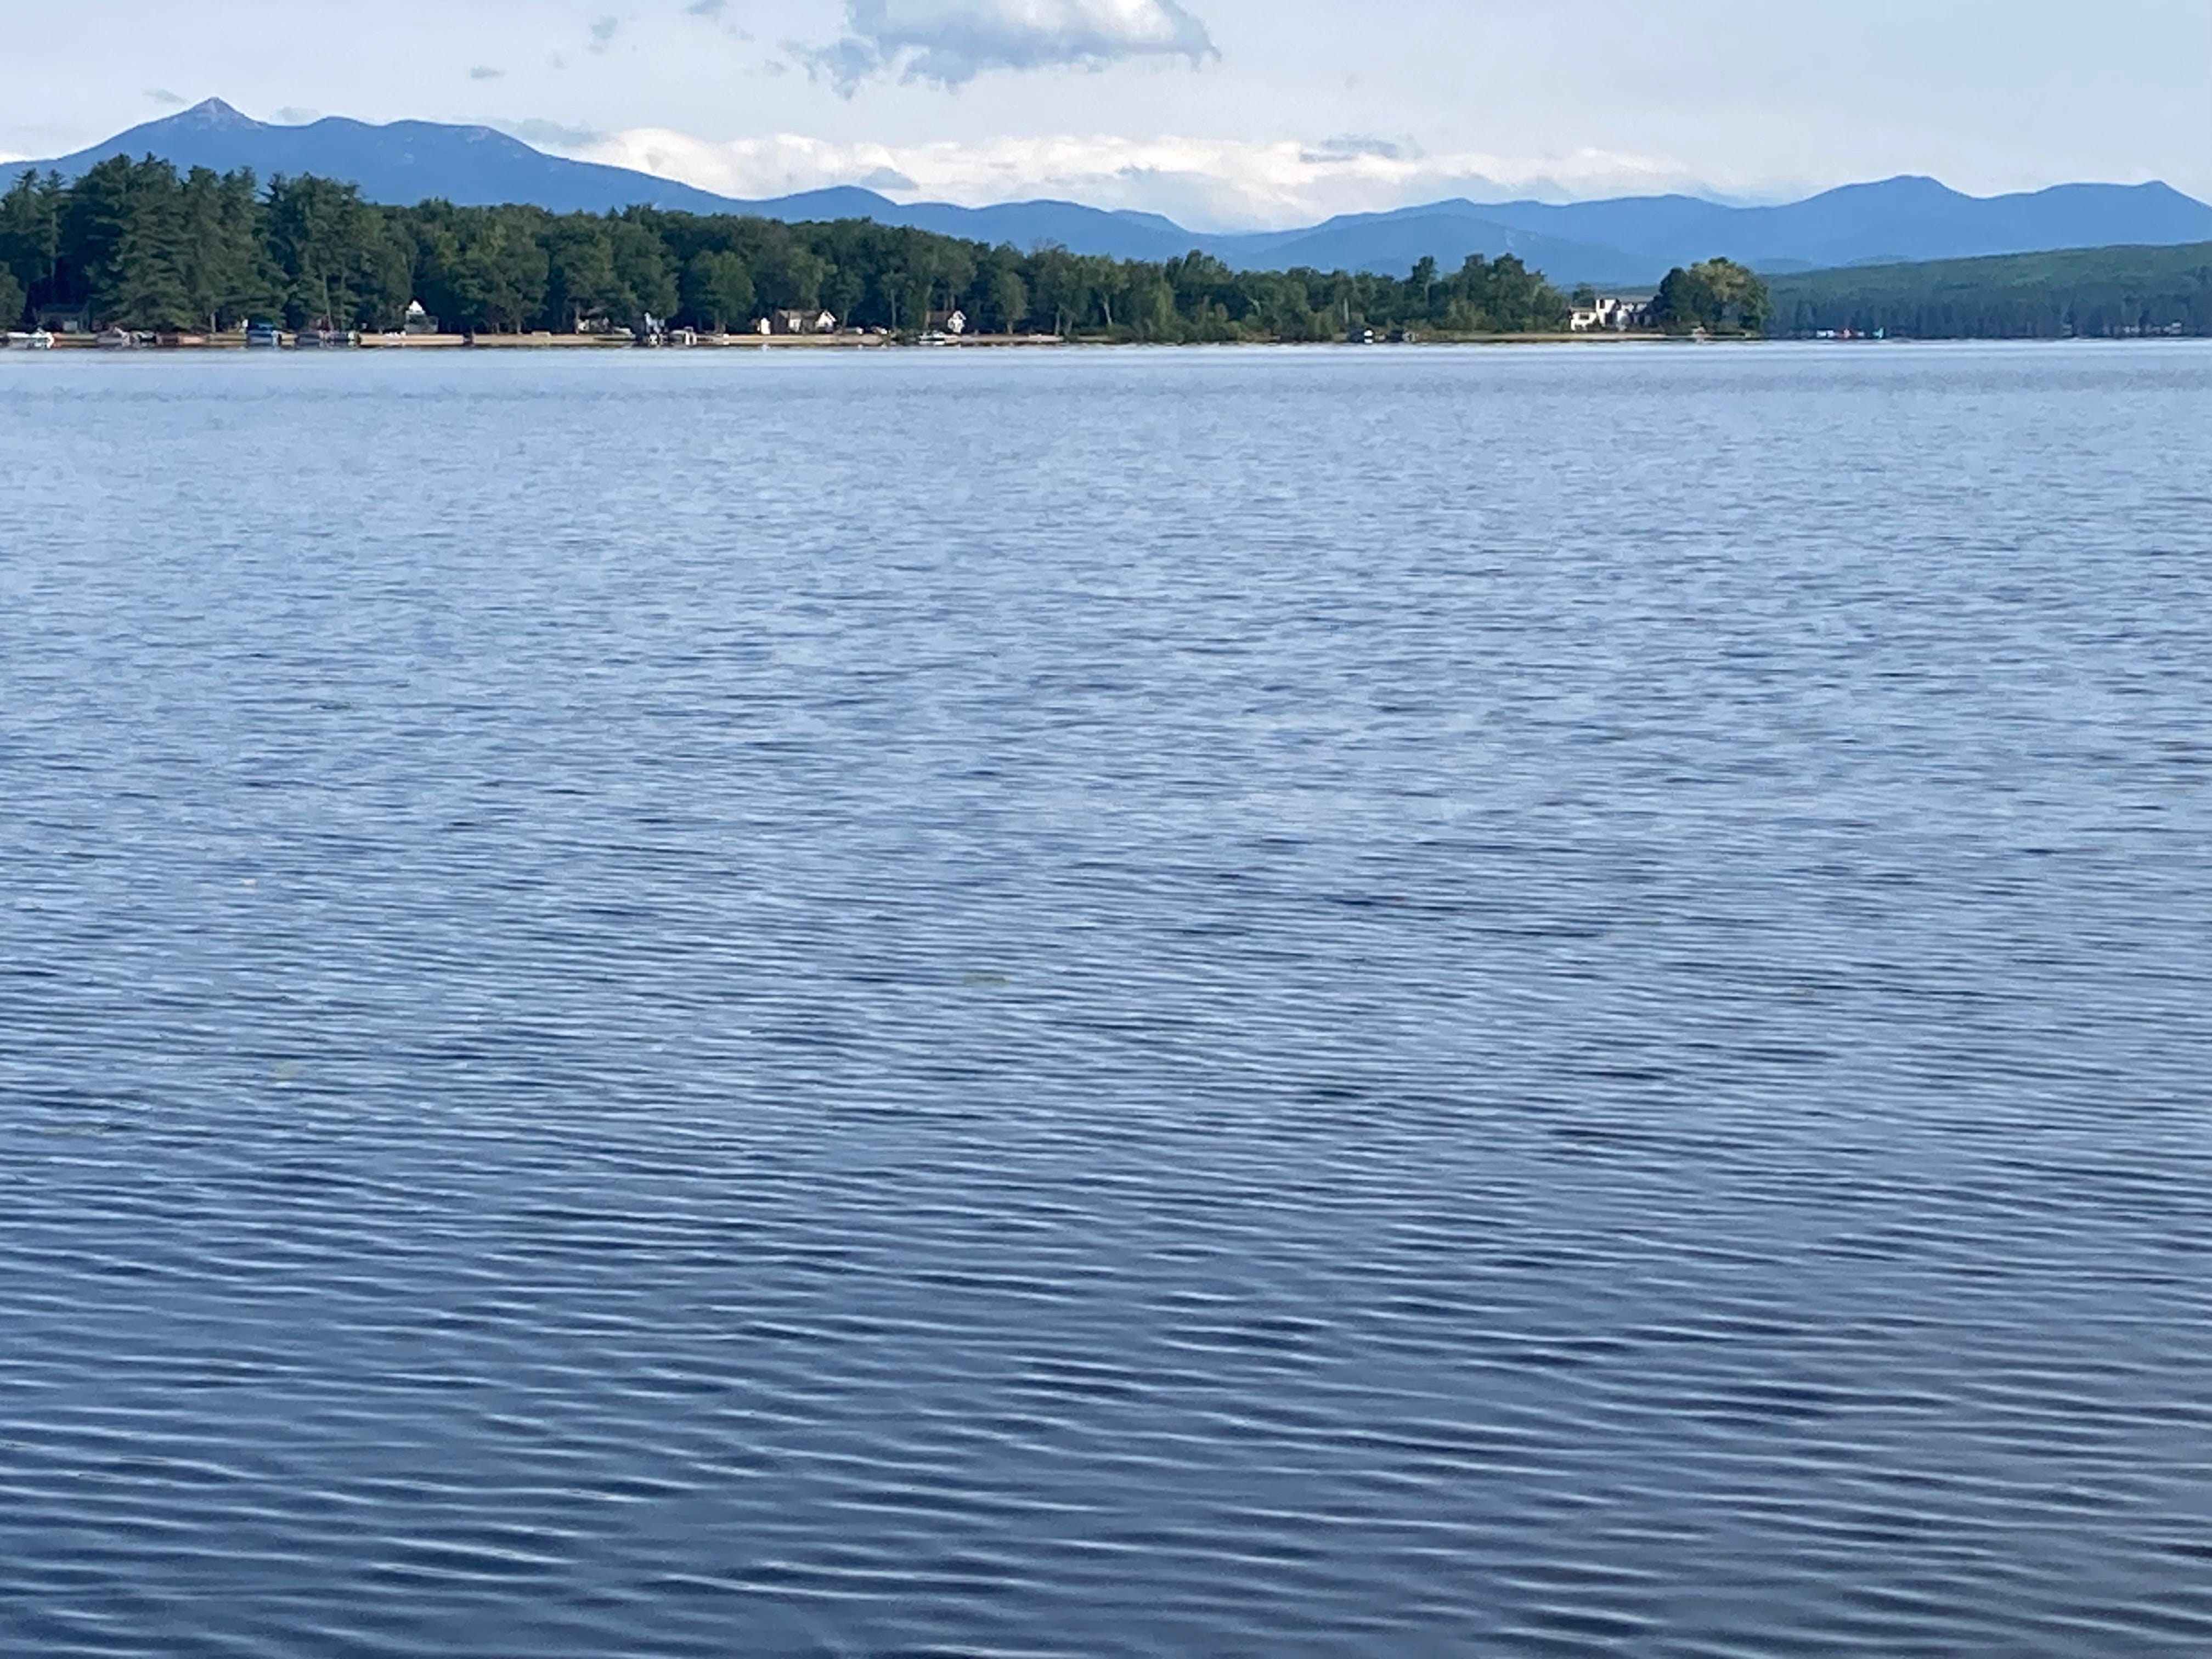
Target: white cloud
point(557, 136)
point(952, 41)
point(1209, 184)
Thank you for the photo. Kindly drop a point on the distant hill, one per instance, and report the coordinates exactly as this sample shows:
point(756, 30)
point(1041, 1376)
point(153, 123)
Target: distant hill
point(1896, 220)
point(1624, 242)
point(1393, 242)
point(2099, 292)
point(405, 162)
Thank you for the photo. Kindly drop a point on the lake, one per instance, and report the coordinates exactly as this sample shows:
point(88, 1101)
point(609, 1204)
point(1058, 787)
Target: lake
point(1530, 1002)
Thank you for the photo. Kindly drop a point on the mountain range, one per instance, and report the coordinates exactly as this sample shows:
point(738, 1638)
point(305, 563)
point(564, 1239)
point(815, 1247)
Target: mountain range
point(1624, 241)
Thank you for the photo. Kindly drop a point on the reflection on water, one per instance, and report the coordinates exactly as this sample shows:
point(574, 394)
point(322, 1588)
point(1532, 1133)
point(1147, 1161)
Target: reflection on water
point(1519, 1002)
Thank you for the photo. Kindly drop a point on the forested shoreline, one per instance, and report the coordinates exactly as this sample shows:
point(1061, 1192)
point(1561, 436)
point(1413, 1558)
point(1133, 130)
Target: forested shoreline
point(132, 244)
point(2080, 293)
point(135, 245)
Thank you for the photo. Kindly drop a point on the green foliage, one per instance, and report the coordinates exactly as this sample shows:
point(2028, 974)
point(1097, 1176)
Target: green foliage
point(499, 276)
point(30, 231)
point(1718, 295)
point(122, 230)
point(580, 265)
point(1006, 300)
point(132, 243)
point(2088, 292)
point(718, 289)
point(642, 266)
point(11, 298)
point(225, 262)
point(336, 256)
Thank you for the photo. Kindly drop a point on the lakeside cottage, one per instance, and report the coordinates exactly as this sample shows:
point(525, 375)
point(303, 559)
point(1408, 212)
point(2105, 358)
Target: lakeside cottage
point(800, 322)
point(1609, 315)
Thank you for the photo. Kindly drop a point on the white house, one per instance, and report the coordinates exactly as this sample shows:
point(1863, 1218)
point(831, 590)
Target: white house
point(1609, 315)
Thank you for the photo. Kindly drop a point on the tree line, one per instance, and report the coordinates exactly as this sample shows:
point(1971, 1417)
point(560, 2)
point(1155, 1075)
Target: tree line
point(2081, 292)
point(134, 244)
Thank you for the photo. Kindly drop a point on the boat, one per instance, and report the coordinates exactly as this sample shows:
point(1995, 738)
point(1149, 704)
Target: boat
point(39, 340)
point(320, 339)
point(263, 337)
point(117, 339)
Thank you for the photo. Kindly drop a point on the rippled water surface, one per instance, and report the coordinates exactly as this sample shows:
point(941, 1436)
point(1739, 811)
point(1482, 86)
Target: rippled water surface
point(1496, 1003)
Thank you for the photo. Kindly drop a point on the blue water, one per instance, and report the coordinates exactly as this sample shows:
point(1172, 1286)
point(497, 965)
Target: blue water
point(1511, 1002)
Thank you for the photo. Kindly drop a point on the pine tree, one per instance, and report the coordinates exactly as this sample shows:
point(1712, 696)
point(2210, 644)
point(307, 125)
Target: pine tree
point(123, 233)
point(718, 289)
point(30, 235)
point(581, 266)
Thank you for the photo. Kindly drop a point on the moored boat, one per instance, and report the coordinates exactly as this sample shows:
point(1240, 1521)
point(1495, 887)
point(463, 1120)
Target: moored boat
point(263, 337)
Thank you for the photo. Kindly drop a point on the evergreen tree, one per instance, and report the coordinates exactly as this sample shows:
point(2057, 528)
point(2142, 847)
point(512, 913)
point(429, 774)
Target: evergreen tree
point(642, 265)
point(718, 289)
point(30, 234)
point(580, 262)
point(340, 261)
point(224, 264)
point(499, 275)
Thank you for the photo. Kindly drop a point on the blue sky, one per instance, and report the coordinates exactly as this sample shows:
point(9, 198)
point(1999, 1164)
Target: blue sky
point(1223, 113)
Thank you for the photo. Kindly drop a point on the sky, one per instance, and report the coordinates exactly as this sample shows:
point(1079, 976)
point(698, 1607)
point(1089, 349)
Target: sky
point(1224, 114)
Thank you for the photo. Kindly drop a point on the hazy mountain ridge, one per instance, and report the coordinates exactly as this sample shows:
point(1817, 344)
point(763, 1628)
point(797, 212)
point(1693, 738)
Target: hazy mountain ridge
point(1623, 241)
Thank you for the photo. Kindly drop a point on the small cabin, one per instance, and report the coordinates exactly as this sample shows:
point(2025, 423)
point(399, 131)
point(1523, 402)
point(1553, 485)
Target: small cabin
point(800, 322)
point(954, 323)
point(417, 320)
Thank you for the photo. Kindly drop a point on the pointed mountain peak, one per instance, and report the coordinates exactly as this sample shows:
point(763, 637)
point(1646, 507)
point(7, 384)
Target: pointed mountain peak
point(214, 112)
